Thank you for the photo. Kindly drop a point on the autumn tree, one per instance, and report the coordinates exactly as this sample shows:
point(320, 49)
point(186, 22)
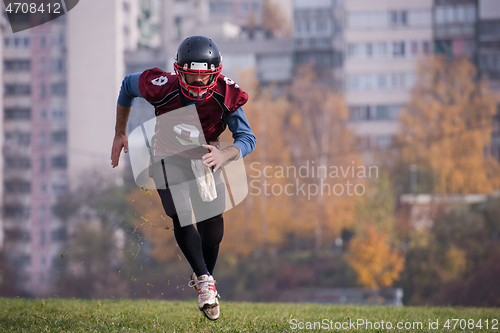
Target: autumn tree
point(446, 129)
point(375, 261)
point(261, 223)
point(375, 250)
point(319, 135)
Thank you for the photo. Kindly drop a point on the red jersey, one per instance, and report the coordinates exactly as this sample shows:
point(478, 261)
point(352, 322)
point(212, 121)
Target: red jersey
point(181, 129)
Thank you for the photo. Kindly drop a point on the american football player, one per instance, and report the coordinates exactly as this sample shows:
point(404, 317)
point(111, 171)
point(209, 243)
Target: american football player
point(181, 148)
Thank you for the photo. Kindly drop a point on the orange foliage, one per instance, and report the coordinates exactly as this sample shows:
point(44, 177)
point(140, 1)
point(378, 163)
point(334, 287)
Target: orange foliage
point(320, 135)
point(375, 262)
point(446, 128)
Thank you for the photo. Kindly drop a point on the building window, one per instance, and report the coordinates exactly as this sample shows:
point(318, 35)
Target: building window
point(220, 7)
point(382, 81)
point(380, 50)
point(59, 89)
point(60, 161)
point(41, 140)
point(42, 235)
point(322, 26)
point(59, 114)
point(367, 82)
point(17, 65)
point(59, 137)
point(372, 113)
point(19, 260)
point(353, 51)
point(398, 49)
point(17, 89)
point(43, 188)
point(17, 234)
point(24, 139)
point(58, 234)
point(18, 138)
point(442, 47)
point(59, 40)
point(17, 186)
point(41, 66)
point(398, 18)
point(43, 164)
point(490, 28)
point(42, 214)
point(42, 42)
point(43, 114)
point(489, 61)
point(353, 82)
point(397, 80)
point(16, 42)
point(382, 112)
point(16, 211)
point(359, 113)
point(17, 163)
point(369, 50)
point(470, 13)
point(449, 14)
point(460, 14)
point(43, 91)
point(426, 47)
point(60, 188)
point(455, 14)
point(58, 66)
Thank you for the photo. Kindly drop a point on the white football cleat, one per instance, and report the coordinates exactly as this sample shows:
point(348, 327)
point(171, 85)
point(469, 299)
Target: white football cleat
point(213, 313)
point(207, 294)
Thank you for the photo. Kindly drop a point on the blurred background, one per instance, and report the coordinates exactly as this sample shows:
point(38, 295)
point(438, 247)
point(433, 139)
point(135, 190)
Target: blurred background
point(398, 99)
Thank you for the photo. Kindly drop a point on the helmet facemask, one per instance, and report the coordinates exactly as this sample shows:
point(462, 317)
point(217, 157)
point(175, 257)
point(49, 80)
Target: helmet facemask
point(194, 91)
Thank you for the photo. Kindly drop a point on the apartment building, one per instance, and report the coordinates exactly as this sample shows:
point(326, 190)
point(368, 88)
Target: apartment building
point(318, 37)
point(60, 85)
point(384, 40)
point(35, 168)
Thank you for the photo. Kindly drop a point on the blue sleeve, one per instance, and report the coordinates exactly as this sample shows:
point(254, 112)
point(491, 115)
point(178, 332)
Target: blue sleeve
point(129, 90)
point(244, 139)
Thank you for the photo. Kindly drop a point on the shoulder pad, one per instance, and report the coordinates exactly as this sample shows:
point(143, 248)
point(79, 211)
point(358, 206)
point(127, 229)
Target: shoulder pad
point(154, 84)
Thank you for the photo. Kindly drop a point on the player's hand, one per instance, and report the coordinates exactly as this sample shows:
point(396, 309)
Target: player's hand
point(216, 157)
point(120, 141)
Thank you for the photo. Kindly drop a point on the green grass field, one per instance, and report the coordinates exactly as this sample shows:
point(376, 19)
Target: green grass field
point(70, 315)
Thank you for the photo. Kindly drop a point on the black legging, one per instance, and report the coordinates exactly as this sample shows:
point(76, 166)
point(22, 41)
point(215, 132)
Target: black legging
point(200, 247)
point(200, 244)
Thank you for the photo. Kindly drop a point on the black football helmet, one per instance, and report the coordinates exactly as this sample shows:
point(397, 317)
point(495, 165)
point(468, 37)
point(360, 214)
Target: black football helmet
point(198, 55)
